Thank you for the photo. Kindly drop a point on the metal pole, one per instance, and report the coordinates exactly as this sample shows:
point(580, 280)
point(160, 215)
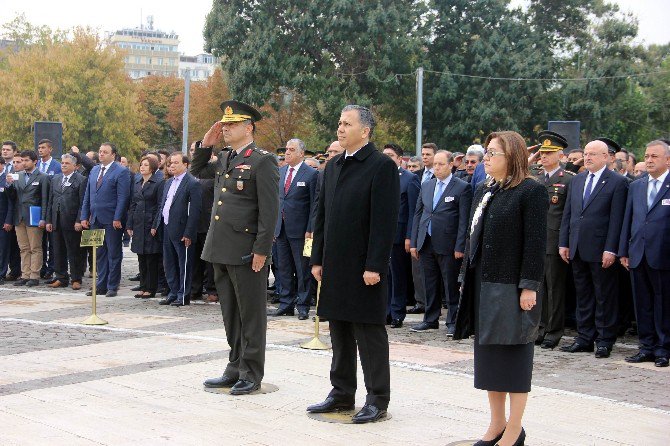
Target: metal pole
point(187, 94)
point(419, 109)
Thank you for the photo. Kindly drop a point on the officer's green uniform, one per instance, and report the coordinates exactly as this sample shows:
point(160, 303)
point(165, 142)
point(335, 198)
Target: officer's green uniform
point(244, 214)
point(553, 289)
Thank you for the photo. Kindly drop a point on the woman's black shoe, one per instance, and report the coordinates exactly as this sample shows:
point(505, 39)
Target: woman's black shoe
point(522, 437)
point(490, 442)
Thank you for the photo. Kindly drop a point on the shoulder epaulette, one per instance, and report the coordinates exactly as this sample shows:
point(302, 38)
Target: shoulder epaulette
point(569, 172)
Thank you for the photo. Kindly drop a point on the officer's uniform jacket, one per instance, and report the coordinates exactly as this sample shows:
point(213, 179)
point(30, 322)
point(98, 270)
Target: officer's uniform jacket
point(246, 203)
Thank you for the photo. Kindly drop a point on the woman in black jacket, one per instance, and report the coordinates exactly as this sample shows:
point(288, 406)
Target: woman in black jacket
point(502, 273)
point(147, 193)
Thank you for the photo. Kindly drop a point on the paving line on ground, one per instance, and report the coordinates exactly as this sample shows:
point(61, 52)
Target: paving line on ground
point(290, 348)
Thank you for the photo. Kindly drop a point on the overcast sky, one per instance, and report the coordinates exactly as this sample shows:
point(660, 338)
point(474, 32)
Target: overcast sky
point(187, 18)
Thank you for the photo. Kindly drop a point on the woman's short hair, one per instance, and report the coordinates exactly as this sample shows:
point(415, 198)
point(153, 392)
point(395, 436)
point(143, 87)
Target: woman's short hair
point(153, 162)
point(516, 155)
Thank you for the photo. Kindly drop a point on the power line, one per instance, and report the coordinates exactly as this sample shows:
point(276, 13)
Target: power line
point(398, 76)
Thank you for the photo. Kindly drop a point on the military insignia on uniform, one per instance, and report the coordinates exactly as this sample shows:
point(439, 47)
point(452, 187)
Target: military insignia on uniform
point(243, 167)
point(554, 199)
point(546, 142)
point(240, 185)
point(248, 153)
point(228, 111)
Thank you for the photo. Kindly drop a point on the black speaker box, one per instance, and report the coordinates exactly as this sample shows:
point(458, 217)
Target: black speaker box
point(52, 131)
point(568, 130)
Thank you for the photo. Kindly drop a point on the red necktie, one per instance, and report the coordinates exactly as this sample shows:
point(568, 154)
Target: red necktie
point(289, 178)
point(100, 177)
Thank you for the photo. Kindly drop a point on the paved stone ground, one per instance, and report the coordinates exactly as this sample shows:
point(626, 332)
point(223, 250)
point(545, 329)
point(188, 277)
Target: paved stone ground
point(138, 380)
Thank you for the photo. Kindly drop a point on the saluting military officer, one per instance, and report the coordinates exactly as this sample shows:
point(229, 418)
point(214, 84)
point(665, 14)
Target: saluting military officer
point(239, 240)
point(557, 181)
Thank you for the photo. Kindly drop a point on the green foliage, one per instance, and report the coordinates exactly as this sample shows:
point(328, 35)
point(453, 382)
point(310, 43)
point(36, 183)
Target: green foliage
point(77, 81)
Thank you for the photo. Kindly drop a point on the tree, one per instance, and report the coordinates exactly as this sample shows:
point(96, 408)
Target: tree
point(157, 94)
point(78, 82)
point(333, 53)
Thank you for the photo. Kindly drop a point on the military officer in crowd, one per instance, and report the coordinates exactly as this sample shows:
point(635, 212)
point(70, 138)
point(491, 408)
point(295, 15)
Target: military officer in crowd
point(557, 180)
point(239, 240)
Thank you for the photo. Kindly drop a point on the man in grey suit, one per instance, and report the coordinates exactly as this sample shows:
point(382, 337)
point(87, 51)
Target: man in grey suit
point(239, 240)
point(438, 239)
point(66, 195)
point(30, 190)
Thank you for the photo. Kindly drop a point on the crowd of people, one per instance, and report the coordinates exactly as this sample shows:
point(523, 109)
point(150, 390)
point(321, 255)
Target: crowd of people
point(491, 239)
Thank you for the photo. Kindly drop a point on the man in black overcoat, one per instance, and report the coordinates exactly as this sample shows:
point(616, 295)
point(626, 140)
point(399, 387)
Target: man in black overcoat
point(354, 228)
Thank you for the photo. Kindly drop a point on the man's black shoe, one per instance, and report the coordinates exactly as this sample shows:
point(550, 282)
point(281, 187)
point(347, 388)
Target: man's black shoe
point(549, 344)
point(417, 309)
point(368, 414)
point(396, 323)
point(603, 352)
point(111, 293)
point(330, 404)
point(97, 292)
point(11, 277)
point(177, 303)
point(640, 357)
point(21, 282)
point(135, 278)
point(136, 288)
point(221, 381)
point(47, 276)
point(303, 316)
point(451, 331)
point(576, 347)
point(243, 387)
point(164, 292)
point(539, 340)
point(661, 361)
point(284, 312)
point(32, 282)
point(425, 326)
point(167, 301)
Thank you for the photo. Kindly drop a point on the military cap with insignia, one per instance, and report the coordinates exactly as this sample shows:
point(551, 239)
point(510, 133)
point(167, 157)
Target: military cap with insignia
point(236, 111)
point(309, 152)
point(281, 151)
point(612, 146)
point(551, 141)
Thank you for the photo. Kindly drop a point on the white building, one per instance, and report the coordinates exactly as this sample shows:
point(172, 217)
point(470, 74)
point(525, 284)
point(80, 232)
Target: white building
point(201, 67)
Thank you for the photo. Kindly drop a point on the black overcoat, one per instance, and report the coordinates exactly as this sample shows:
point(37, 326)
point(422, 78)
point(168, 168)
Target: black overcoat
point(355, 223)
point(144, 206)
point(513, 249)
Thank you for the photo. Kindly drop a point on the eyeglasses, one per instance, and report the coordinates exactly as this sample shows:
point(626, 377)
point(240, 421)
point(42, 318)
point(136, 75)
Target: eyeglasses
point(471, 162)
point(492, 153)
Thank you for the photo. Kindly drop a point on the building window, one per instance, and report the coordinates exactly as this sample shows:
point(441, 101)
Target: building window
point(149, 60)
point(159, 61)
point(138, 60)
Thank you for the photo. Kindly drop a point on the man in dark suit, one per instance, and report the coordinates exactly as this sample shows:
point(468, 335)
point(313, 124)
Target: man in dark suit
point(589, 238)
point(645, 250)
point(48, 165)
point(297, 185)
point(66, 194)
point(10, 154)
point(552, 294)
point(239, 240)
point(438, 239)
point(203, 273)
point(31, 190)
point(428, 150)
point(106, 207)
point(7, 220)
point(353, 235)
point(401, 263)
point(178, 215)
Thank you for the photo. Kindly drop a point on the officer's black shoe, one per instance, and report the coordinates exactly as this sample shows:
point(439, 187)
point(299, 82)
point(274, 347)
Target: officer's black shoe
point(284, 312)
point(396, 323)
point(177, 303)
point(549, 344)
point(21, 282)
point(603, 352)
point(222, 381)
point(640, 357)
point(167, 301)
point(661, 361)
point(576, 347)
point(330, 404)
point(368, 414)
point(97, 292)
point(111, 293)
point(135, 278)
point(243, 387)
point(32, 282)
point(425, 326)
point(303, 316)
